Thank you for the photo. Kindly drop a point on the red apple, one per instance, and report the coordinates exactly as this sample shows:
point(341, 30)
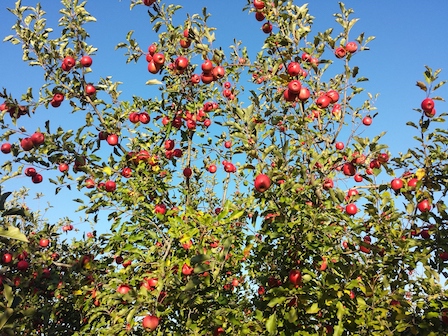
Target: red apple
point(349, 169)
point(304, 94)
point(293, 69)
point(259, 16)
point(22, 265)
point(126, 172)
point(351, 47)
point(334, 96)
point(44, 242)
point(160, 209)
point(68, 63)
point(262, 182)
point(6, 148)
point(169, 144)
point(90, 183)
point(134, 117)
point(258, 4)
point(267, 28)
point(294, 86)
point(86, 61)
point(351, 209)
point(357, 178)
point(427, 105)
point(323, 101)
point(212, 168)
point(6, 258)
point(396, 184)
point(295, 277)
point(207, 66)
point(187, 270)
point(218, 72)
point(90, 89)
point(112, 139)
point(339, 145)
point(340, 52)
point(58, 97)
point(158, 59)
point(37, 178)
point(367, 121)
point(37, 138)
point(181, 63)
point(144, 117)
point(123, 289)
point(110, 186)
point(187, 172)
point(26, 144)
point(424, 205)
point(150, 322)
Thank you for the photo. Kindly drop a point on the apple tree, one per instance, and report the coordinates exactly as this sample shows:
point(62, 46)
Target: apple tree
point(241, 198)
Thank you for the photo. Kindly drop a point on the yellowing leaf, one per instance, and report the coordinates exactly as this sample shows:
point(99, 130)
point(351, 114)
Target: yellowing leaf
point(78, 292)
point(420, 174)
point(107, 171)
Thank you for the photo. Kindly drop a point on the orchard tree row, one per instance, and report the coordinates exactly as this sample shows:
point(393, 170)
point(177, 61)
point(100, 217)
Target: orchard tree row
point(239, 200)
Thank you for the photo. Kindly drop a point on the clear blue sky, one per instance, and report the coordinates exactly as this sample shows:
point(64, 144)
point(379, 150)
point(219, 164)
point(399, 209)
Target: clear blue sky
point(409, 35)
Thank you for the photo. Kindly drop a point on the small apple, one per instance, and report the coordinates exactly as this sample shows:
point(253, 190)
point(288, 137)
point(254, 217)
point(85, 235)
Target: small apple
point(427, 105)
point(396, 184)
point(30, 171)
point(228, 144)
point(340, 52)
point(126, 172)
point(323, 101)
point(328, 184)
point(351, 209)
point(334, 96)
point(37, 138)
point(293, 69)
point(187, 172)
point(187, 270)
point(258, 4)
point(6, 258)
point(218, 72)
point(123, 289)
point(212, 168)
point(351, 47)
point(295, 277)
point(262, 183)
point(58, 97)
point(90, 89)
point(86, 61)
point(294, 86)
point(90, 183)
point(102, 135)
point(134, 117)
point(424, 205)
point(6, 148)
point(339, 145)
point(412, 183)
point(207, 66)
point(160, 209)
point(158, 59)
point(169, 144)
point(26, 144)
point(22, 265)
point(304, 94)
point(181, 63)
point(267, 28)
point(357, 178)
point(349, 169)
point(367, 121)
point(150, 322)
point(110, 186)
point(68, 63)
point(112, 139)
point(37, 178)
point(195, 79)
point(44, 242)
point(144, 117)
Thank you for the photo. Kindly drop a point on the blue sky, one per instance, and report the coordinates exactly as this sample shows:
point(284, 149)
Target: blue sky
point(409, 35)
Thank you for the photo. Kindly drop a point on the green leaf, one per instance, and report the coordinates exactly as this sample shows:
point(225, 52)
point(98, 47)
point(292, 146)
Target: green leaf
point(5, 316)
point(271, 324)
point(14, 212)
point(275, 301)
point(13, 233)
point(7, 292)
point(3, 198)
point(313, 309)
